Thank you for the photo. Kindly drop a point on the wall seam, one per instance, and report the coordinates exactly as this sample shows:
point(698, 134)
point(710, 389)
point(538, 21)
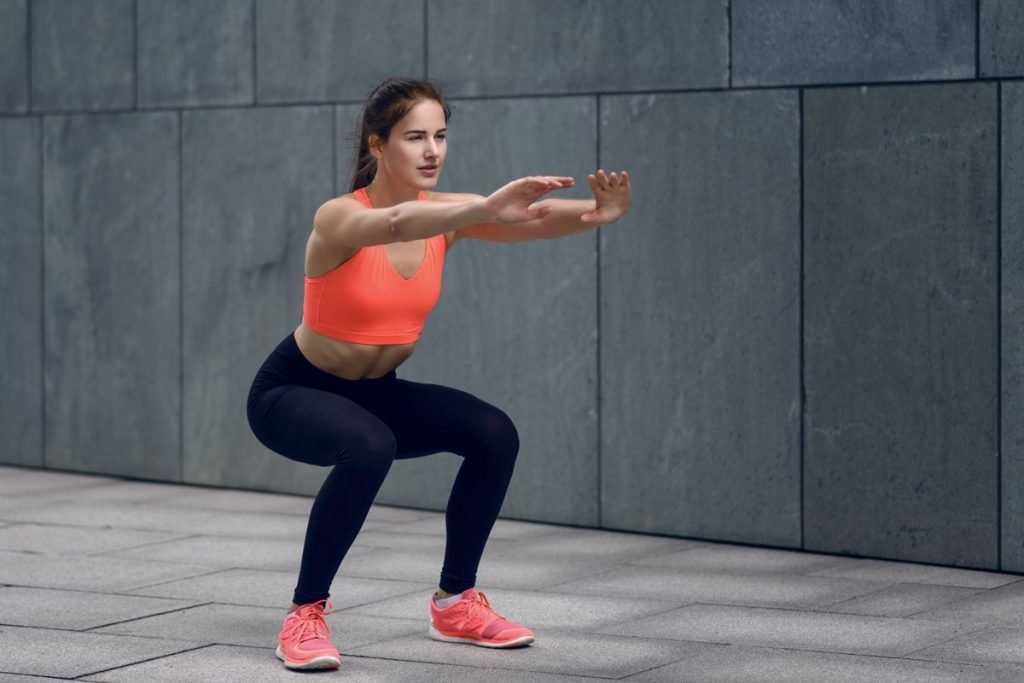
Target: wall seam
point(42, 278)
point(255, 82)
point(426, 33)
point(728, 40)
point(28, 49)
point(135, 50)
point(181, 296)
point(999, 325)
point(977, 38)
point(597, 248)
point(542, 96)
point(803, 374)
point(335, 182)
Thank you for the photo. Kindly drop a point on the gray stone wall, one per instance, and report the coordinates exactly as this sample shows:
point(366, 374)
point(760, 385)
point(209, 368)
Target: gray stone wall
point(804, 335)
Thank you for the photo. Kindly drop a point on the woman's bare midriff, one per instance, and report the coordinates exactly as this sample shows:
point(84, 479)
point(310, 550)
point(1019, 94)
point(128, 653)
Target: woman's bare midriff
point(349, 360)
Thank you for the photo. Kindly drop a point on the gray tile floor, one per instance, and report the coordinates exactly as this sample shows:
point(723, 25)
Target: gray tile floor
point(104, 579)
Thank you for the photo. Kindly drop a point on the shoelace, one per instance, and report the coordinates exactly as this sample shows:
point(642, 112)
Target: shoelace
point(310, 623)
point(481, 603)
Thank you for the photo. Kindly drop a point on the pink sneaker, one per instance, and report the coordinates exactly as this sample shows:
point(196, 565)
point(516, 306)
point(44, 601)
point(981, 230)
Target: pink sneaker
point(471, 620)
point(304, 640)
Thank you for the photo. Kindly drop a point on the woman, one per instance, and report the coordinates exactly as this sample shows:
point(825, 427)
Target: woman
point(328, 394)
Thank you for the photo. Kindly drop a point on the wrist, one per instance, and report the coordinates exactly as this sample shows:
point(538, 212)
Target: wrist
point(481, 212)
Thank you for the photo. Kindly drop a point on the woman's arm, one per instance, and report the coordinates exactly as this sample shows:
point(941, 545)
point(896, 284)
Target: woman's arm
point(564, 217)
point(344, 221)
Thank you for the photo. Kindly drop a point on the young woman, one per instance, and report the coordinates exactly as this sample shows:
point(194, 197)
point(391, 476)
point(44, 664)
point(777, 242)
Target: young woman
point(328, 394)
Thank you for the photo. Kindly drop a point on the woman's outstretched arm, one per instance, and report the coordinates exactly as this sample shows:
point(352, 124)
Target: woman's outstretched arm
point(343, 221)
point(612, 198)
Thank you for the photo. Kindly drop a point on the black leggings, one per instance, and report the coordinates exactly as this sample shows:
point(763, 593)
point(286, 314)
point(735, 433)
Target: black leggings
point(359, 427)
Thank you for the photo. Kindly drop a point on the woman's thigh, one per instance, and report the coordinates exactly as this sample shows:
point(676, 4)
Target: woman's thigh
point(431, 418)
point(318, 427)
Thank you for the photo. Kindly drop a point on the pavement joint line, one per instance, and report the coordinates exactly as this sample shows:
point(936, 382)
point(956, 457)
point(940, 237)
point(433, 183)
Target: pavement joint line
point(971, 631)
point(602, 572)
point(654, 668)
point(102, 553)
point(181, 578)
point(628, 620)
point(490, 666)
point(146, 616)
point(143, 661)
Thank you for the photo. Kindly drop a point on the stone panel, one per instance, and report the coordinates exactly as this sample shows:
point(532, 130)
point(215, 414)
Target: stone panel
point(700, 318)
point(1012, 230)
point(576, 46)
point(195, 52)
point(112, 294)
point(253, 179)
point(21, 278)
point(330, 50)
point(347, 128)
point(517, 323)
point(835, 41)
point(1001, 29)
point(83, 54)
point(13, 55)
point(900, 333)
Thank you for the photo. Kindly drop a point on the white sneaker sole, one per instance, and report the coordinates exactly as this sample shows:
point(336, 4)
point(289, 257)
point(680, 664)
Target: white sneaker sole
point(518, 642)
point(325, 662)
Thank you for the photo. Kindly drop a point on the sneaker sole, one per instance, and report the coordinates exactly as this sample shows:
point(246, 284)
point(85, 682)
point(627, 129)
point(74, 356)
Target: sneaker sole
point(518, 642)
point(325, 662)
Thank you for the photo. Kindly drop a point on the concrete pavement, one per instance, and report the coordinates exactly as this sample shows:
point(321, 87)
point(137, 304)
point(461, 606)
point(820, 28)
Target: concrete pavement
point(106, 579)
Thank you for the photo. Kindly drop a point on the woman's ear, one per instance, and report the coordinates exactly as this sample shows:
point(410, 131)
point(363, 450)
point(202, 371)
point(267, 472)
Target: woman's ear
point(374, 143)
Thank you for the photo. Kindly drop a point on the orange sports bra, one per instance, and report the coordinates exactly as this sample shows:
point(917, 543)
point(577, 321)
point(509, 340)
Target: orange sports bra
point(365, 300)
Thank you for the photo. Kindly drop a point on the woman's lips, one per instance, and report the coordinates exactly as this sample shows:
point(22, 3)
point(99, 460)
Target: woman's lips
point(428, 170)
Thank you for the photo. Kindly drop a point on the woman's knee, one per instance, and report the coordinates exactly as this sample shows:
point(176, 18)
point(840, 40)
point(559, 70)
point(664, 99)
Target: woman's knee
point(500, 435)
point(372, 452)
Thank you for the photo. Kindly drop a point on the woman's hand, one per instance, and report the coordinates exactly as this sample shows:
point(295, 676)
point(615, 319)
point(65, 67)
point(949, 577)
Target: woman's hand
point(514, 203)
point(613, 195)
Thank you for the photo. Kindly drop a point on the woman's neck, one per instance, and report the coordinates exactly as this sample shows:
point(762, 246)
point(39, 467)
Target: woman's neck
point(383, 193)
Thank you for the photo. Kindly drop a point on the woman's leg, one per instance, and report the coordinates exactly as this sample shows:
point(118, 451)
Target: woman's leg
point(322, 428)
point(429, 418)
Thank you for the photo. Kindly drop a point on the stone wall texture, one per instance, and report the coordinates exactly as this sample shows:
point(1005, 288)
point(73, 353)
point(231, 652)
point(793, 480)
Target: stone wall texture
point(805, 334)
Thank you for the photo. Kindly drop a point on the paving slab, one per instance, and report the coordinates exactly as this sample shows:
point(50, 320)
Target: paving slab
point(31, 651)
point(277, 554)
point(555, 652)
point(594, 545)
point(259, 626)
point(906, 572)
point(79, 610)
point(114, 491)
point(850, 634)
point(158, 517)
point(89, 573)
point(535, 609)
point(994, 644)
point(714, 557)
point(262, 588)
point(739, 664)
point(1003, 605)
point(244, 665)
point(719, 587)
point(504, 529)
point(23, 481)
point(901, 600)
point(50, 539)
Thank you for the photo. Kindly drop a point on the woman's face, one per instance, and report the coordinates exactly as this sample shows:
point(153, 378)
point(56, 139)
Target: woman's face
point(415, 151)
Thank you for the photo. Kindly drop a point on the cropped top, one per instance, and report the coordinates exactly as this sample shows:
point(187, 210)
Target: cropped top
point(365, 300)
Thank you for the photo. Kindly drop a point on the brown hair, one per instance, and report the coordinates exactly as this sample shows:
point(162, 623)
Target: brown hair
point(387, 104)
